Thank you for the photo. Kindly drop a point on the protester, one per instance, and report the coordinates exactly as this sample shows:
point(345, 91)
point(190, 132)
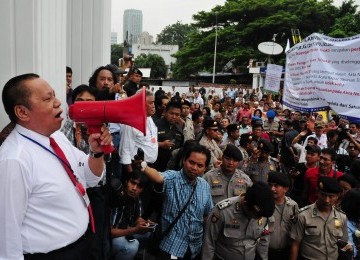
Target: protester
point(44, 214)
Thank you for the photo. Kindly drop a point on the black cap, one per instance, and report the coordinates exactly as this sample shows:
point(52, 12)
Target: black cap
point(279, 178)
point(266, 146)
point(245, 139)
point(232, 127)
point(260, 198)
point(313, 149)
point(210, 123)
point(185, 103)
point(329, 185)
point(135, 71)
point(233, 152)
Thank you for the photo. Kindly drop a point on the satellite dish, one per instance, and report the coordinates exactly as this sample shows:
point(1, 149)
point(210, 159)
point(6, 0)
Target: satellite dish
point(270, 48)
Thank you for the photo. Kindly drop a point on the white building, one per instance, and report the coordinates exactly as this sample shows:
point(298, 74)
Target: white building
point(165, 51)
point(44, 37)
point(145, 39)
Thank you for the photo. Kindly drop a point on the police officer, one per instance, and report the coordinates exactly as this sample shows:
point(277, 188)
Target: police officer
point(236, 225)
point(227, 181)
point(211, 131)
point(320, 225)
point(259, 163)
point(284, 216)
point(233, 134)
point(134, 78)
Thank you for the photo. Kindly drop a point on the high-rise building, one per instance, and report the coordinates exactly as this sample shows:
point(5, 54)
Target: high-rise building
point(113, 38)
point(132, 25)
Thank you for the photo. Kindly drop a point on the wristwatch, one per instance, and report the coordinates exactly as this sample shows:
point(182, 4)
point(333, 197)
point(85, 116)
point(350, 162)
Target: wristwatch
point(96, 155)
point(143, 165)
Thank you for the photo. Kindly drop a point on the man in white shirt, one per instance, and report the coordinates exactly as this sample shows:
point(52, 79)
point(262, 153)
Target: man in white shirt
point(43, 214)
point(198, 99)
point(319, 135)
point(132, 139)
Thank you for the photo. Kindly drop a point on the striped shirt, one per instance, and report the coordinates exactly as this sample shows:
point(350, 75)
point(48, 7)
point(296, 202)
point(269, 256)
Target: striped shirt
point(188, 231)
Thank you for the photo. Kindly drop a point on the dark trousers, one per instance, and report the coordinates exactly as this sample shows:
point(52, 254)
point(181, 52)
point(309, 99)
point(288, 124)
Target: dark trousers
point(101, 241)
point(278, 254)
point(78, 250)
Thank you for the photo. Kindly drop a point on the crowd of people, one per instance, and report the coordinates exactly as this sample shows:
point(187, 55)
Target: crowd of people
point(233, 175)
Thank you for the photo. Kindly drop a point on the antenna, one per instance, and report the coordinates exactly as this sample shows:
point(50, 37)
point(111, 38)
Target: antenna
point(270, 48)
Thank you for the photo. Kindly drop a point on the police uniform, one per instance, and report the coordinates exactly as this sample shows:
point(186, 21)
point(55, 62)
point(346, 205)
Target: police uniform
point(223, 187)
point(231, 232)
point(280, 226)
point(317, 234)
point(216, 153)
point(280, 223)
point(258, 171)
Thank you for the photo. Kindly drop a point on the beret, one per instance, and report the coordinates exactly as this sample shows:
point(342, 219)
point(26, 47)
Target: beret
point(233, 152)
point(279, 178)
point(329, 185)
point(259, 196)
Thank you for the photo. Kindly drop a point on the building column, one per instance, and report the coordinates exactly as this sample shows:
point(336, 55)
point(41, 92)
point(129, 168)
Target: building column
point(33, 41)
point(88, 37)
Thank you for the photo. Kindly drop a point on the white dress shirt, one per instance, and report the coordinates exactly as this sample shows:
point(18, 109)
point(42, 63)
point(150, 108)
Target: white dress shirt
point(132, 139)
point(40, 208)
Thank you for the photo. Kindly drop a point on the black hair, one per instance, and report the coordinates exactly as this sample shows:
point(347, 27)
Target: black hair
point(332, 133)
point(68, 70)
point(331, 152)
point(196, 114)
point(350, 204)
point(137, 175)
point(348, 178)
point(313, 139)
point(208, 112)
point(92, 80)
point(15, 93)
point(173, 104)
point(80, 89)
point(158, 100)
point(198, 148)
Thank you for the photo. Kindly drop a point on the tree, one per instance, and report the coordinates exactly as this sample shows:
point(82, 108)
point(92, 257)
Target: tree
point(243, 24)
point(174, 34)
point(116, 53)
point(153, 61)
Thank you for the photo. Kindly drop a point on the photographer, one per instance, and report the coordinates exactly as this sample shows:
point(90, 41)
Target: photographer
point(128, 229)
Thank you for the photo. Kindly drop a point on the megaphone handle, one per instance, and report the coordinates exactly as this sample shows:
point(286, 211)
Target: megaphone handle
point(107, 149)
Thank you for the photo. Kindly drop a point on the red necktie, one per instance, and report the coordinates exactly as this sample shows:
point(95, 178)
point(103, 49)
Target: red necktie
point(73, 179)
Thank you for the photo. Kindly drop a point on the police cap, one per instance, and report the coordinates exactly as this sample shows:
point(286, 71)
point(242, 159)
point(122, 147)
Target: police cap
point(266, 146)
point(260, 198)
point(135, 71)
point(233, 152)
point(232, 128)
point(279, 178)
point(210, 123)
point(329, 185)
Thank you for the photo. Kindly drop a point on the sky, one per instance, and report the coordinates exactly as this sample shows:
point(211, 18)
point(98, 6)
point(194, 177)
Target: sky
point(157, 14)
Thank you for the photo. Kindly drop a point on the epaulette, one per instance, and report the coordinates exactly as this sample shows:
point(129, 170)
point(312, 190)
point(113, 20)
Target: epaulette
point(304, 208)
point(224, 204)
point(339, 209)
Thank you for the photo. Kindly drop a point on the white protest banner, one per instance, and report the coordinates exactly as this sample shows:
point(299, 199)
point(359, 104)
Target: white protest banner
point(273, 77)
point(324, 73)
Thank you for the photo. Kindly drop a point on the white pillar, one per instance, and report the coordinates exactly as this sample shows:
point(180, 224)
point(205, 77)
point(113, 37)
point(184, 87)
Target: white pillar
point(88, 37)
point(33, 41)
